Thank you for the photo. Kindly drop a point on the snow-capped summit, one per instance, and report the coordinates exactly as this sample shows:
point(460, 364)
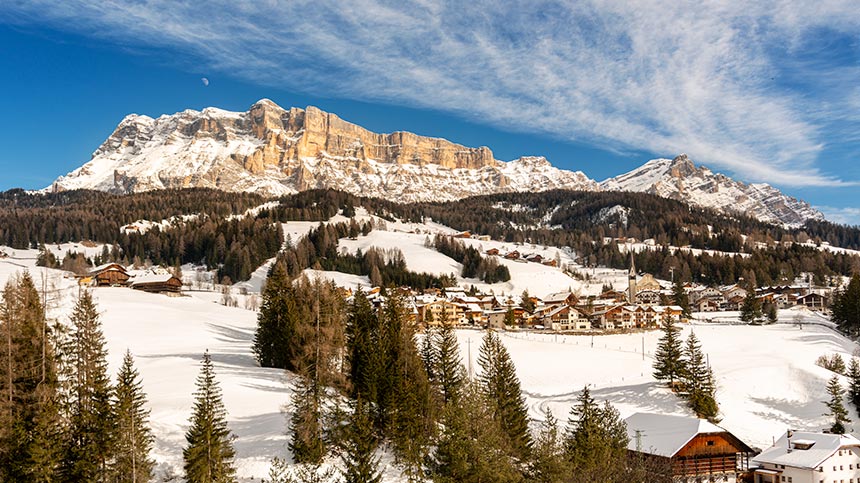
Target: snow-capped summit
point(279, 151)
point(682, 180)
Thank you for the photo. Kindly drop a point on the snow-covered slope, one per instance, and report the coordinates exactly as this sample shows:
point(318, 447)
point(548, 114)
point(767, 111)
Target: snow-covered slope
point(680, 179)
point(277, 151)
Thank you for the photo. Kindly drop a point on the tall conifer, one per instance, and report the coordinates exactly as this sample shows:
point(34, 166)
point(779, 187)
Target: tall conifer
point(92, 425)
point(668, 364)
point(498, 380)
point(133, 463)
point(209, 454)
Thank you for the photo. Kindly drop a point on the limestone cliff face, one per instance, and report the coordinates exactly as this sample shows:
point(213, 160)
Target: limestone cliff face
point(309, 133)
point(279, 151)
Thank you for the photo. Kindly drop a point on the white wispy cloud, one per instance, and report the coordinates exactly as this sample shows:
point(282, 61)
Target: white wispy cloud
point(666, 77)
point(843, 215)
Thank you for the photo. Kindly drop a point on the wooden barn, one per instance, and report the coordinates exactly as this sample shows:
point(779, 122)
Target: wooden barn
point(695, 449)
point(108, 275)
point(157, 283)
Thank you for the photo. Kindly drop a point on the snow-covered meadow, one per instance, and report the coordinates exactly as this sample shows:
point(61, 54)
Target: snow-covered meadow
point(766, 375)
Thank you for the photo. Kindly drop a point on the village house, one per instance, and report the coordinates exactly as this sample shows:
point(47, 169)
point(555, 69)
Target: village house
point(695, 449)
point(567, 297)
point(804, 457)
point(812, 300)
point(564, 317)
point(439, 312)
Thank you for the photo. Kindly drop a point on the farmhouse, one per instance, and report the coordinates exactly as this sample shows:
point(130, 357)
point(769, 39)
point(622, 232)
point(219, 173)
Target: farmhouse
point(157, 283)
point(802, 457)
point(696, 450)
point(108, 275)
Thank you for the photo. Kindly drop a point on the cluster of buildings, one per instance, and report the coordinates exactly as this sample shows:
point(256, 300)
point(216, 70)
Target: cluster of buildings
point(695, 450)
point(731, 297)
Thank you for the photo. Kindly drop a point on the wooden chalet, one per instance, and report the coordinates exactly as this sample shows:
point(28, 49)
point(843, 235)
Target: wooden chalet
point(812, 300)
point(108, 275)
point(157, 283)
point(492, 251)
point(694, 449)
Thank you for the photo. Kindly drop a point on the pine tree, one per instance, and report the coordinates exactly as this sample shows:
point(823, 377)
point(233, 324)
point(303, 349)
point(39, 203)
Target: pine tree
point(668, 363)
point(360, 464)
point(498, 380)
point(770, 312)
point(92, 423)
point(853, 375)
point(274, 339)
point(595, 442)
point(209, 454)
point(680, 298)
point(134, 439)
point(548, 464)
point(30, 448)
point(510, 318)
point(449, 371)
point(836, 407)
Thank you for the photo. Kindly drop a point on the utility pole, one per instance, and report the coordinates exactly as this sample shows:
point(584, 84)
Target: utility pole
point(672, 274)
point(469, 355)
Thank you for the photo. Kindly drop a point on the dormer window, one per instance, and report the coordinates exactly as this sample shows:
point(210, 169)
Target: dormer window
point(802, 444)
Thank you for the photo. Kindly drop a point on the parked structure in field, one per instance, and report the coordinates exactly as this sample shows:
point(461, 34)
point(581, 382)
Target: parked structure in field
point(108, 275)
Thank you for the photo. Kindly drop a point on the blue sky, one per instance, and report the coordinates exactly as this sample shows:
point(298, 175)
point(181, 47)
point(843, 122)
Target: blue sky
point(764, 93)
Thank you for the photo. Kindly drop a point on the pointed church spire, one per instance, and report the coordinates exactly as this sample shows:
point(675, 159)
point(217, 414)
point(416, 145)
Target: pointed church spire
point(631, 280)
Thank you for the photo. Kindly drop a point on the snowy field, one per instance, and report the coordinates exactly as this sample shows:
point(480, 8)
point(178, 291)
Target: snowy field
point(766, 375)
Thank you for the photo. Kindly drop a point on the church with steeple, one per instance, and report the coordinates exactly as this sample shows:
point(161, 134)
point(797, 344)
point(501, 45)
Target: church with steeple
point(631, 281)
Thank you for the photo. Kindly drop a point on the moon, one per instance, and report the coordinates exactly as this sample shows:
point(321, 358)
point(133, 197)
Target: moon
point(205, 81)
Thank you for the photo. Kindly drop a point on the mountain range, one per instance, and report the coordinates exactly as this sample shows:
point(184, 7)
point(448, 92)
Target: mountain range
point(277, 151)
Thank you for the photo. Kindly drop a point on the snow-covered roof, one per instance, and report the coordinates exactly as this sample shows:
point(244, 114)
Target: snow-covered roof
point(821, 446)
point(151, 278)
point(665, 435)
point(105, 266)
point(557, 296)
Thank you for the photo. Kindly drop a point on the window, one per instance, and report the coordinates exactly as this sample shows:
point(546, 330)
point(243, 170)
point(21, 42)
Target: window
point(710, 442)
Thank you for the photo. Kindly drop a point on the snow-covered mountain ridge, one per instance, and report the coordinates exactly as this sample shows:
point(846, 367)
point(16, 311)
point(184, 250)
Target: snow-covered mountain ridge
point(682, 180)
point(278, 151)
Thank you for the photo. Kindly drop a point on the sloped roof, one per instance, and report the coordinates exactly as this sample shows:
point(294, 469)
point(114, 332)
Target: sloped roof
point(151, 278)
point(823, 447)
point(665, 435)
point(105, 266)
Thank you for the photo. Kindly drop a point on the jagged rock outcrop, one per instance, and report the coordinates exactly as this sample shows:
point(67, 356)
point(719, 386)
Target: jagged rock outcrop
point(682, 180)
point(279, 151)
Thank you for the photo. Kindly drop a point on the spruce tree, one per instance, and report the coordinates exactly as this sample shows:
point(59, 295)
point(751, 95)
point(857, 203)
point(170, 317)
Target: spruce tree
point(306, 428)
point(548, 464)
point(770, 312)
point(449, 371)
point(835, 406)
point(668, 363)
point(274, 339)
point(362, 337)
point(498, 380)
point(751, 307)
point(31, 444)
point(92, 424)
point(845, 310)
point(853, 375)
point(428, 352)
point(209, 454)
point(360, 464)
point(134, 439)
point(698, 381)
point(595, 441)
point(680, 298)
point(472, 446)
